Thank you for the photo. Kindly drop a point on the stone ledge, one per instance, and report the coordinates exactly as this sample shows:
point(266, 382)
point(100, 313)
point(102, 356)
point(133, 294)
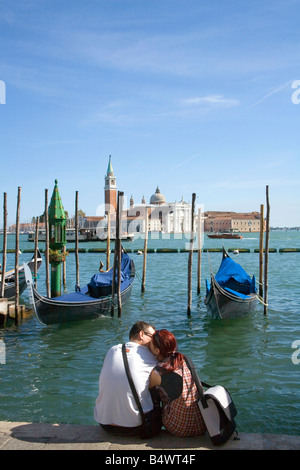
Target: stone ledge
point(45, 436)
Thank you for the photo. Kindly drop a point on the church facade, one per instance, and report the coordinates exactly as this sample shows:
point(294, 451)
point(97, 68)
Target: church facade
point(166, 217)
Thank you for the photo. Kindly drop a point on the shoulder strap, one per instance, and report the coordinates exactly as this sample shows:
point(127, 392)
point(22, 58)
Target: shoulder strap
point(131, 383)
point(199, 384)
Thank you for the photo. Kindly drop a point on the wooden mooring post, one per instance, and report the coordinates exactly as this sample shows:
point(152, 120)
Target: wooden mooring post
point(145, 251)
point(190, 261)
point(119, 248)
point(36, 245)
point(17, 293)
point(76, 238)
point(261, 250)
point(4, 243)
point(117, 260)
point(64, 268)
point(199, 252)
point(47, 245)
point(108, 241)
point(266, 252)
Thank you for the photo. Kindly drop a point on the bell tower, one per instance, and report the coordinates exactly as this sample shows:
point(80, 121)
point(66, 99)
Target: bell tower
point(110, 190)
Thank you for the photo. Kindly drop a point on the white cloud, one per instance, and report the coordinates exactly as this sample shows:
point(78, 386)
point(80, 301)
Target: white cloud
point(210, 100)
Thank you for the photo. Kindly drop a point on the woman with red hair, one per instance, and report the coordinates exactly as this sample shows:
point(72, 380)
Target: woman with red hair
point(181, 415)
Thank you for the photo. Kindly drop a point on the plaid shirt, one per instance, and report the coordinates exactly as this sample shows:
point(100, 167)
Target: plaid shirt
point(182, 416)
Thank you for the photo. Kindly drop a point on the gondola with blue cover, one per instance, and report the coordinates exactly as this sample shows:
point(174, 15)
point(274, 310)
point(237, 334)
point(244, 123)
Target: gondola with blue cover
point(231, 293)
point(89, 302)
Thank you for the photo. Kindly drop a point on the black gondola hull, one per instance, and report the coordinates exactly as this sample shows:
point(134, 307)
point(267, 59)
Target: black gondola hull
point(49, 311)
point(81, 305)
point(222, 305)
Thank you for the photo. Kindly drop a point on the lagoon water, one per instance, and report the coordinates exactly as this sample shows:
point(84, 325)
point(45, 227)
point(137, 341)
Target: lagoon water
point(50, 374)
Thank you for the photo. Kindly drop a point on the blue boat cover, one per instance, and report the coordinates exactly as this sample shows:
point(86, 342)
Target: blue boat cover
point(231, 275)
point(228, 269)
point(105, 279)
point(99, 284)
point(73, 297)
point(237, 294)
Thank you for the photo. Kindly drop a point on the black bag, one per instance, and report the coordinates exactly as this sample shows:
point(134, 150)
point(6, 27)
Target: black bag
point(217, 409)
point(152, 420)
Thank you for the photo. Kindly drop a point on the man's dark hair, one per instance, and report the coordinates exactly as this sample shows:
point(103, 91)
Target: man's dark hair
point(139, 326)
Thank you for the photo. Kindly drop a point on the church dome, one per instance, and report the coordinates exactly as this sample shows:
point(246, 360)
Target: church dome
point(157, 197)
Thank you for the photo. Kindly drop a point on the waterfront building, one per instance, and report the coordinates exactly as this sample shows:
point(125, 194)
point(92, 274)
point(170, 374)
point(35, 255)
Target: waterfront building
point(173, 217)
point(218, 221)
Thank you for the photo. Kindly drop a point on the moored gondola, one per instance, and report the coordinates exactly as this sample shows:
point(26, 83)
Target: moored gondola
point(89, 302)
point(232, 292)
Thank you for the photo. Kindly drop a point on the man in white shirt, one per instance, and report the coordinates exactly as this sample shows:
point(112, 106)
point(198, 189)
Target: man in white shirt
point(115, 407)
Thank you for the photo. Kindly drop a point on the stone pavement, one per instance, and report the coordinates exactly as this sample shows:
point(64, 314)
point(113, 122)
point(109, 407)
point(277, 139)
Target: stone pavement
point(44, 436)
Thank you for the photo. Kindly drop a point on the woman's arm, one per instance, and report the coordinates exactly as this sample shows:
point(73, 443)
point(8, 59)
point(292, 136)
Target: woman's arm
point(155, 379)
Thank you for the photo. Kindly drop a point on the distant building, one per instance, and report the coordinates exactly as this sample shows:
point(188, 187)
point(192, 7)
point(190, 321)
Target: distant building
point(110, 189)
point(174, 217)
point(217, 221)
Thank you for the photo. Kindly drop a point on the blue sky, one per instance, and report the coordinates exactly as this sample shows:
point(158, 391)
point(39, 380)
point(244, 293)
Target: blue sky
point(189, 95)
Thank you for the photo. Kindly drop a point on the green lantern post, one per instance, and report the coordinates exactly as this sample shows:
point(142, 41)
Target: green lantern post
point(57, 234)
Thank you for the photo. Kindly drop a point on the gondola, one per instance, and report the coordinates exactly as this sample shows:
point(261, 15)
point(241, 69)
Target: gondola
point(9, 278)
point(85, 303)
point(231, 293)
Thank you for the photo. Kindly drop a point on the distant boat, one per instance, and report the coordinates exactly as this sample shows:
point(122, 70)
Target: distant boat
point(232, 292)
point(84, 235)
point(91, 301)
point(234, 236)
point(9, 278)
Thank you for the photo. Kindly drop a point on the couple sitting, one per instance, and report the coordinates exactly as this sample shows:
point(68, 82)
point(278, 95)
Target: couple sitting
point(154, 363)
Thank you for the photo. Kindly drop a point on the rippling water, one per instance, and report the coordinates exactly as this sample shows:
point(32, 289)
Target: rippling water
point(51, 373)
